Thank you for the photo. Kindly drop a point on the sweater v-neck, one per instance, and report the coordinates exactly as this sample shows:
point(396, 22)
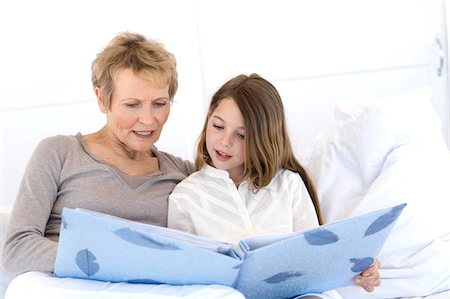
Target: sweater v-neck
point(133, 182)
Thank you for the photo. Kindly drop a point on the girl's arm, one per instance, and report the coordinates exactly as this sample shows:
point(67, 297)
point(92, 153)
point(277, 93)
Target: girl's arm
point(178, 216)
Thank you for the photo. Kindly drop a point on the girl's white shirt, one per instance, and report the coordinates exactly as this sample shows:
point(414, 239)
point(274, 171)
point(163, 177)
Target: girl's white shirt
point(208, 204)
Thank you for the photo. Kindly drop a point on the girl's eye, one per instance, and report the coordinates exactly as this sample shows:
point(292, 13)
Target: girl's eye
point(217, 127)
point(241, 136)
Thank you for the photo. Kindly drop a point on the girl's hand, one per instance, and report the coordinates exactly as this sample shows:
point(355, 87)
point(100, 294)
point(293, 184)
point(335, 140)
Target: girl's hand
point(369, 278)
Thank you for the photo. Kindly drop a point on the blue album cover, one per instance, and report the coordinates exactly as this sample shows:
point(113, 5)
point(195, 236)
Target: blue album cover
point(97, 246)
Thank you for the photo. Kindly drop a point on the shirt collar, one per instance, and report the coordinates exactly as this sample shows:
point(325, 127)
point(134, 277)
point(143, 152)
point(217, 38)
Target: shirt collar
point(214, 172)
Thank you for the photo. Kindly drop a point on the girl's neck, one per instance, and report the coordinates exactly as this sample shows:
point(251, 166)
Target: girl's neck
point(236, 175)
point(237, 179)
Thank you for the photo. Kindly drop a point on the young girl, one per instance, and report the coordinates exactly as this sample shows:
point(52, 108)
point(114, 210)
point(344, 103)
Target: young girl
point(248, 180)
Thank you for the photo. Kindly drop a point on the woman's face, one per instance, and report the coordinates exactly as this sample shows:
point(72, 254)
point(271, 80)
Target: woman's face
point(225, 134)
point(139, 110)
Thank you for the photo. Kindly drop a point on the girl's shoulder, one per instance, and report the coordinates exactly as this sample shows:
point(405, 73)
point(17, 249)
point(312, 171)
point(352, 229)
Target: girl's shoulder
point(288, 174)
point(289, 177)
point(286, 177)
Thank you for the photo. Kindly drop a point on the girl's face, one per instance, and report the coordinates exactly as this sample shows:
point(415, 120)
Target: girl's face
point(225, 135)
point(139, 110)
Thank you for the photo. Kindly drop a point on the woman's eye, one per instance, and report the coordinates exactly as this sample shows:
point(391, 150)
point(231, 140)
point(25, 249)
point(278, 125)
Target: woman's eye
point(241, 136)
point(217, 127)
point(160, 103)
point(131, 105)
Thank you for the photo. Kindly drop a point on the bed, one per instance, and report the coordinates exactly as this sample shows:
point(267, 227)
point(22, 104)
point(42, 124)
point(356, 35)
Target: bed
point(374, 155)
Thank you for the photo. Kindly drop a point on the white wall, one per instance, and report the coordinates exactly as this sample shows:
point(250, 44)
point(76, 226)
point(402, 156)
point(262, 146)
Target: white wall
point(317, 53)
point(47, 49)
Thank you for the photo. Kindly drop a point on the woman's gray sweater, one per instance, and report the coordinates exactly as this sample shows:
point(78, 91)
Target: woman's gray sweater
point(62, 173)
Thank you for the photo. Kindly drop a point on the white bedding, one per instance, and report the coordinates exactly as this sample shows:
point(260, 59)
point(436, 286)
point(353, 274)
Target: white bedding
point(379, 154)
point(42, 285)
point(374, 156)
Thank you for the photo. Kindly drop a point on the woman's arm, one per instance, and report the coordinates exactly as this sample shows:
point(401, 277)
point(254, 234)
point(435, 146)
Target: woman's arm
point(26, 248)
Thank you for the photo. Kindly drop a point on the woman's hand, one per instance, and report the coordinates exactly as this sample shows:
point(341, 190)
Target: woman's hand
point(369, 278)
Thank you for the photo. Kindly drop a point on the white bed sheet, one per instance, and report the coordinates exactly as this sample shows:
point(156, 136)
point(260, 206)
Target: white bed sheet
point(43, 285)
point(443, 295)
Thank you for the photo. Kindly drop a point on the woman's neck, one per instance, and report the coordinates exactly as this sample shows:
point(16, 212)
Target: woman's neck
point(117, 147)
point(105, 147)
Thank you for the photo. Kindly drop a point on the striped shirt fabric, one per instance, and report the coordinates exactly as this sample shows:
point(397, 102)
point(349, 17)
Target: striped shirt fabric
point(208, 204)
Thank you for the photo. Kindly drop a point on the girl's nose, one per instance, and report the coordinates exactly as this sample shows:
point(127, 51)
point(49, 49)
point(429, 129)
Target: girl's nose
point(226, 140)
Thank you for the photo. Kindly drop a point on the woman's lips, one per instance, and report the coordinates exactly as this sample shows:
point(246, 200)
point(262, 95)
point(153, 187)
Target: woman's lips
point(143, 134)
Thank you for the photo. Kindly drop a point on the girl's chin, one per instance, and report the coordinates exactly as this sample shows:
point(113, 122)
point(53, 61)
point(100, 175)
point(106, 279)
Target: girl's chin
point(219, 165)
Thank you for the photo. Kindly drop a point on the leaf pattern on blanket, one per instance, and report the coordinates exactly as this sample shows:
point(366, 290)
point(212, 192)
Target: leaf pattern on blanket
point(87, 262)
point(139, 239)
point(361, 264)
point(384, 220)
point(321, 237)
point(282, 276)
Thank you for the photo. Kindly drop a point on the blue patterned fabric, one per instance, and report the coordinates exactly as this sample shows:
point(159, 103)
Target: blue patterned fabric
point(317, 260)
point(97, 246)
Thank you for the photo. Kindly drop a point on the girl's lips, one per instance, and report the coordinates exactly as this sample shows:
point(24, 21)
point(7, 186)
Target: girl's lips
point(221, 156)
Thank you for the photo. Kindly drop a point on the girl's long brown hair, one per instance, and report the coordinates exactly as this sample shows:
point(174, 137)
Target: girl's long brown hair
point(267, 146)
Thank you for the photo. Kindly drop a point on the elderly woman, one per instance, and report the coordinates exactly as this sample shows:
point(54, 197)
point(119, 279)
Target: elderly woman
point(116, 170)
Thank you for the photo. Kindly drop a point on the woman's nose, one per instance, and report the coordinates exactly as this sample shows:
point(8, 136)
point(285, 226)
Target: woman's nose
point(147, 115)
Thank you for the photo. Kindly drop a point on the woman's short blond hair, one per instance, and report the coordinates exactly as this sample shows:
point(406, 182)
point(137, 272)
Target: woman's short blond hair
point(147, 58)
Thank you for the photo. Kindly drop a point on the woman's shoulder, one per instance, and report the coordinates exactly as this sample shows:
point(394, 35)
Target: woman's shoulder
point(60, 138)
point(54, 150)
point(59, 141)
point(169, 162)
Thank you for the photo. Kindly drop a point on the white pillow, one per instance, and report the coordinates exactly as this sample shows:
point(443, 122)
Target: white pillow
point(379, 154)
